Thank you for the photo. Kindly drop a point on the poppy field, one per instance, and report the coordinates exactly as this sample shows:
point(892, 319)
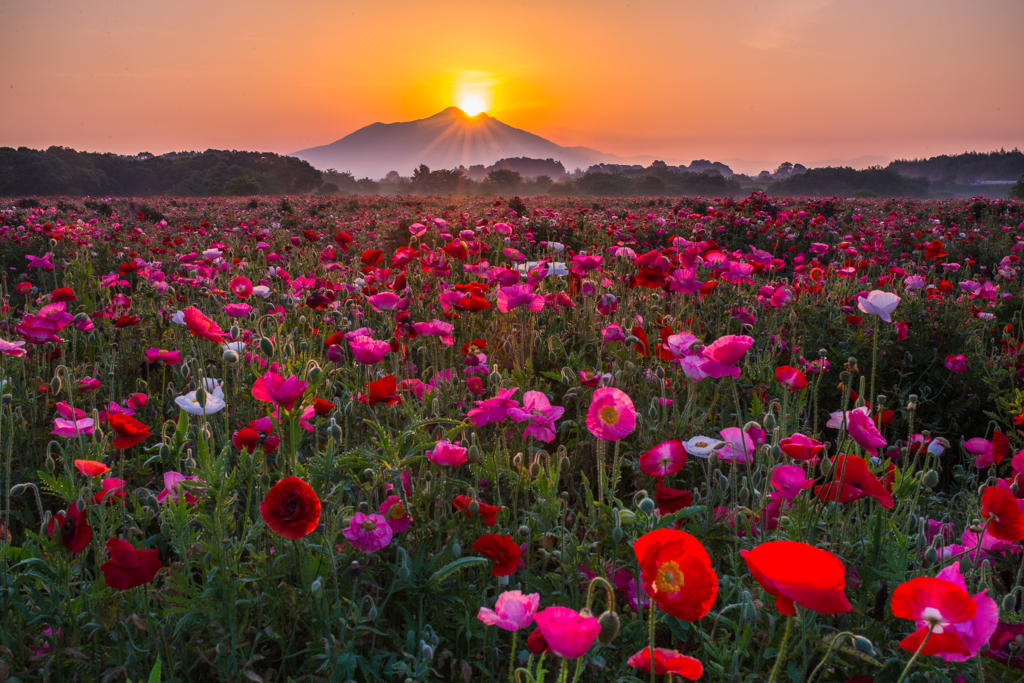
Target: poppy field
point(485, 439)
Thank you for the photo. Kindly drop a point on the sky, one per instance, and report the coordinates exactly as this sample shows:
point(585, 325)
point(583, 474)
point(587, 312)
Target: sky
point(765, 80)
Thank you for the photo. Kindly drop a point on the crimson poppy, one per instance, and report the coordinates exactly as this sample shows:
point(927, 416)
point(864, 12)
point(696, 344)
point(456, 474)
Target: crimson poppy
point(488, 513)
point(291, 508)
point(343, 239)
point(938, 603)
point(322, 407)
point(1000, 446)
point(667, 662)
point(371, 257)
point(1004, 518)
point(502, 550)
point(128, 567)
point(671, 500)
point(475, 304)
point(677, 573)
point(129, 430)
point(73, 527)
point(934, 250)
point(536, 643)
point(62, 294)
point(381, 391)
point(798, 573)
point(257, 433)
point(310, 235)
point(475, 346)
point(853, 480)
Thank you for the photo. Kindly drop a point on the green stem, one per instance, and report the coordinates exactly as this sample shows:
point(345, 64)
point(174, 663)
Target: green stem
point(782, 649)
point(650, 637)
point(512, 659)
point(914, 658)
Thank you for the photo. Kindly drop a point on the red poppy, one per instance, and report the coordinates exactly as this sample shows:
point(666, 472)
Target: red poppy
point(677, 573)
point(502, 550)
point(73, 527)
point(853, 480)
point(91, 468)
point(475, 304)
point(251, 437)
point(322, 407)
point(790, 378)
point(642, 346)
point(129, 430)
point(291, 509)
point(667, 662)
point(127, 321)
point(488, 513)
point(934, 250)
point(336, 338)
point(457, 250)
point(939, 603)
point(381, 391)
point(480, 345)
point(343, 239)
point(310, 235)
point(1004, 518)
point(62, 294)
point(536, 643)
point(200, 325)
point(854, 320)
point(798, 573)
point(128, 567)
point(1000, 446)
point(372, 257)
point(671, 500)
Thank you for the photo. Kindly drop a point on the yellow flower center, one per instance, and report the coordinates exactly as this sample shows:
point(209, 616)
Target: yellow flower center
point(609, 415)
point(397, 511)
point(669, 578)
point(369, 525)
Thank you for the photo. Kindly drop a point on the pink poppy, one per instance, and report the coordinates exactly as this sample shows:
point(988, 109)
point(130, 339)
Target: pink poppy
point(273, 388)
point(369, 351)
point(724, 353)
point(12, 348)
point(800, 447)
point(513, 611)
point(436, 328)
point(540, 414)
point(667, 458)
point(612, 415)
point(164, 356)
point(568, 633)
point(385, 301)
point(493, 409)
point(447, 454)
point(790, 378)
point(70, 429)
point(510, 298)
point(368, 533)
point(237, 310)
point(613, 333)
point(395, 512)
point(173, 488)
point(863, 431)
point(241, 286)
point(956, 363)
point(976, 631)
point(790, 480)
point(739, 446)
point(38, 329)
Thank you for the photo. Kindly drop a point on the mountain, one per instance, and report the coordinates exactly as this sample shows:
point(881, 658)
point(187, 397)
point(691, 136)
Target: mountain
point(447, 139)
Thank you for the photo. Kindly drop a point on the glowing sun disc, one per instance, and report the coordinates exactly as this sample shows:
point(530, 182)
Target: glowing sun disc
point(472, 104)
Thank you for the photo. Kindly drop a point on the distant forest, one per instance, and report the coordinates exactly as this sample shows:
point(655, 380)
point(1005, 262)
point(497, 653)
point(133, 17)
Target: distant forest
point(62, 171)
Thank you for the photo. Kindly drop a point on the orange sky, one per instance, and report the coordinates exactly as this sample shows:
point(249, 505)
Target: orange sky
point(802, 80)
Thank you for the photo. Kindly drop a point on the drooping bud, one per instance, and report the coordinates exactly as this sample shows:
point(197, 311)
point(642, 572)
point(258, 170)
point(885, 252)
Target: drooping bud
point(610, 625)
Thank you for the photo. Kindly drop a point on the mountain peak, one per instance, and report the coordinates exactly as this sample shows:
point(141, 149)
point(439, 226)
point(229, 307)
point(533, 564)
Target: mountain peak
point(454, 112)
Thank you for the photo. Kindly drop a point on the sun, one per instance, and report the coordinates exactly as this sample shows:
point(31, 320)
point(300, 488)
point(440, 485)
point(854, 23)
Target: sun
point(472, 104)
point(473, 92)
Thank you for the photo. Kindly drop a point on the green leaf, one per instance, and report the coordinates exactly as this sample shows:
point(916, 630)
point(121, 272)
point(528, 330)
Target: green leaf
point(154, 675)
point(434, 582)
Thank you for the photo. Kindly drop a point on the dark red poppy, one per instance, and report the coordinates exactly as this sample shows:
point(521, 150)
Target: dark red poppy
point(322, 407)
point(128, 567)
point(127, 321)
point(502, 550)
point(372, 257)
point(1000, 446)
point(799, 573)
point(336, 338)
point(642, 346)
point(344, 239)
point(310, 235)
point(73, 527)
point(291, 509)
point(536, 643)
point(937, 601)
point(403, 256)
point(934, 250)
point(1004, 645)
point(854, 320)
point(671, 500)
point(853, 480)
point(488, 513)
point(62, 294)
point(381, 391)
point(113, 489)
point(475, 304)
point(1004, 518)
point(667, 662)
point(252, 437)
point(475, 346)
point(318, 302)
point(129, 430)
point(677, 573)
point(457, 250)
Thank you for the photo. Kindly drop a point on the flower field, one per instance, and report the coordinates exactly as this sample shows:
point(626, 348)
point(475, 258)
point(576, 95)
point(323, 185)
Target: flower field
point(478, 439)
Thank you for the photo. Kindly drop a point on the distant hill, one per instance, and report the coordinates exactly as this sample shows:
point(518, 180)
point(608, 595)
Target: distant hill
point(967, 168)
point(448, 139)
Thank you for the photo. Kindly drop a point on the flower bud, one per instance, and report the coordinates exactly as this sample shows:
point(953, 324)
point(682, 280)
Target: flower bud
point(864, 645)
point(618, 535)
point(931, 556)
point(474, 508)
point(267, 346)
point(55, 385)
point(769, 421)
point(1009, 603)
point(627, 518)
point(456, 550)
point(930, 479)
point(647, 506)
point(610, 625)
point(201, 397)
